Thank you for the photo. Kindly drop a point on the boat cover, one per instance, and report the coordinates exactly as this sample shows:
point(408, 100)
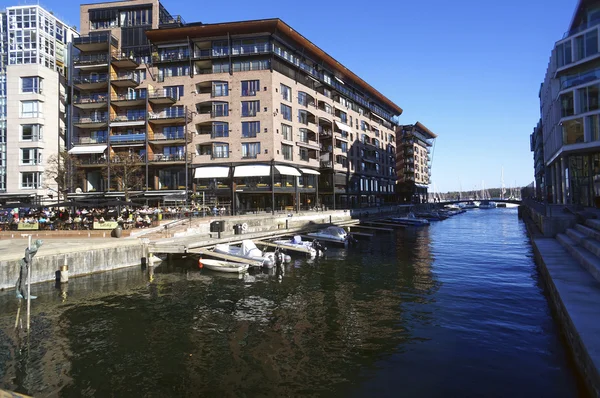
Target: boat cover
point(297, 240)
point(249, 249)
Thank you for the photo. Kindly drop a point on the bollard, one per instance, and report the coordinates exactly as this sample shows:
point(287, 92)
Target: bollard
point(64, 273)
point(330, 219)
point(286, 224)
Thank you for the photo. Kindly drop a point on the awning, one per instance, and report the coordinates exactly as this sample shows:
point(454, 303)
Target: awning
point(78, 150)
point(421, 186)
point(287, 170)
point(212, 172)
point(252, 170)
point(310, 171)
point(343, 127)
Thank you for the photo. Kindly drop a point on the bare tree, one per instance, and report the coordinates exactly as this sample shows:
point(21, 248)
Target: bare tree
point(60, 168)
point(126, 172)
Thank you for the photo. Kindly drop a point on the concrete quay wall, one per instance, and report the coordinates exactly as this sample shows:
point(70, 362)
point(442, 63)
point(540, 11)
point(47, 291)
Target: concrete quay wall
point(82, 261)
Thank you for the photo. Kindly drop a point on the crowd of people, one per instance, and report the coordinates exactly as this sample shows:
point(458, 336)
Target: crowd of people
point(78, 218)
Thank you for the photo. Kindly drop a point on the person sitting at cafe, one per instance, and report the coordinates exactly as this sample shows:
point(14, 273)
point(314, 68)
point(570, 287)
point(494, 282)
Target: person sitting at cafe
point(147, 220)
point(139, 221)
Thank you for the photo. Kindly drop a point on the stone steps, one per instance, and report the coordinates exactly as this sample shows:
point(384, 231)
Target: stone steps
point(583, 243)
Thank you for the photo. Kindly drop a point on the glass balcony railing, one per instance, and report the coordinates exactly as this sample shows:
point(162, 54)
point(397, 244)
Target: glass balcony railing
point(125, 138)
point(90, 119)
point(89, 140)
point(571, 81)
point(160, 157)
point(90, 79)
point(129, 118)
point(251, 49)
point(90, 59)
point(581, 28)
point(125, 76)
point(171, 57)
point(168, 114)
point(96, 39)
point(90, 99)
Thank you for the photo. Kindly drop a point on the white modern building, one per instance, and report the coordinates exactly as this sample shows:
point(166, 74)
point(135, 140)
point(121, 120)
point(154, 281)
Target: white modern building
point(570, 113)
point(33, 62)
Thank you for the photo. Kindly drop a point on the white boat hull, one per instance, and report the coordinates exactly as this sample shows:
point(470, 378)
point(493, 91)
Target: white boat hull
point(223, 266)
point(304, 245)
point(248, 251)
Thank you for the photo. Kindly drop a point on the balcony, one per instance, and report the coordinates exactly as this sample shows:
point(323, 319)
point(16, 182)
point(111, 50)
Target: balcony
point(171, 21)
point(92, 61)
point(89, 140)
point(326, 164)
point(89, 122)
point(127, 99)
point(164, 158)
point(91, 161)
point(128, 120)
point(124, 79)
point(97, 101)
point(309, 144)
point(170, 116)
point(202, 53)
point(162, 97)
point(167, 57)
point(123, 61)
point(174, 138)
point(92, 81)
point(96, 42)
point(127, 139)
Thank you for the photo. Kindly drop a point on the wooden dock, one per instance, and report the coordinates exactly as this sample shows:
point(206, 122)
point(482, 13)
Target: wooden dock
point(227, 257)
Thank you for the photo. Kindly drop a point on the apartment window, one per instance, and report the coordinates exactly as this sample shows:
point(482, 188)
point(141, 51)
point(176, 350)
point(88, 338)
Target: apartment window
point(250, 129)
point(30, 156)
point(303, 135)
point(339, 159)
point(221, 150)
point(286, 112)
point(31, 109)
point(591, 43)
point(593, 127)
point(32, 84)
point(304, 154)
point(220, 109)
point(589, 98)
point(174, 91)
point(98, 136)
point(286, 93)
point(31, 132)
point(302, 116)
point(343, 145)
point(173, 132)
point(250, 108)
point(343, 117)
point(250, 87)
point(218, 67)
point(286, 151)
point(220, 89)
point(170, 71)
point(302, 98)
point(286, 131)
point(566, 104)
point(563, 54)
point(220, 130)
point(31, 180)
point(250, 150)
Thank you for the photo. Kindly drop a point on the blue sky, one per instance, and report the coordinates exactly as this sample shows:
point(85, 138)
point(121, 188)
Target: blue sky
point(468, 70)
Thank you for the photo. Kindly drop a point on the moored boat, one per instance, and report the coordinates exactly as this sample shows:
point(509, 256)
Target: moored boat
point(222, 266)
point(487, 204)
point(410, 219)
point(314, 248)
point(247, 250)
point(332, 234)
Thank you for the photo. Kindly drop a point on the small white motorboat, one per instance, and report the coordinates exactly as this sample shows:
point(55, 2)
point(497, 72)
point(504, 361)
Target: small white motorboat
point(410, 219)
point(222, 266)
point(248, 251)
point(314, 248)
point(332, 234)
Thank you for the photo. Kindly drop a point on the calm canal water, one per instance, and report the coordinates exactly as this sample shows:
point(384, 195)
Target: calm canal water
point(455, 309)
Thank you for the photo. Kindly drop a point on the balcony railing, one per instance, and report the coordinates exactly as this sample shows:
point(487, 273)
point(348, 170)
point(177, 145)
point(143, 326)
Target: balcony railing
point(90, 119)
point(92, 160)
point(170, 137)
point(581, 28)
point(326, 164)
point(90, 59)
point(128, 118)
point(171, 20)
point(90, 79)
point(131, 96)
point(167, 158)
point(172, 114)
point(124, 138)
point(125, 76)
point(96, 39)
point(89, 140)
point(90, 99)
point(251, 49)
point(171, 57)
point(203, 53)
point(162, 93)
